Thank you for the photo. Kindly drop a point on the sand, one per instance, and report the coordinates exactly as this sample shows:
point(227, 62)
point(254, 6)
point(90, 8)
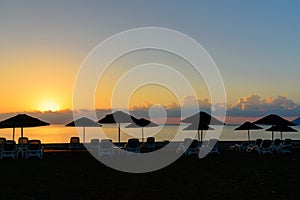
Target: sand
point(77, 175)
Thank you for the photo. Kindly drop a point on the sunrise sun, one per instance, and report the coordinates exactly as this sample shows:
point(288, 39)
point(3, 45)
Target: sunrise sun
point(49, 106)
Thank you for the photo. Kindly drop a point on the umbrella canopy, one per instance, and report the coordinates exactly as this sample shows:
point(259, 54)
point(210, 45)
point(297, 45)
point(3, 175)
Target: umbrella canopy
point(198, 127)
point(274, 120)
point(203, 118)
point(248, 126)
point(281, 129)
point(141, 123)
point(22, 121)
point(117, 117)
point(83, 122)
point(296, 121)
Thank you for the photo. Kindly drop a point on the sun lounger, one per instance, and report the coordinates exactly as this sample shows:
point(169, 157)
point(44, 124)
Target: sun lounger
point(10, 149)
point(133, 145)
point(276, 146)
point(35, 149)
point(184, 145)
point(74, 143)
point(265, 147)
point(213, 146)
point(254, 146)
point(240, 147)
point(2, 141)
point(23, 145)
point(209, 147)
point(286, 146)
point(94, 144)
point(106, 147)
point(150, 143)
point(193, 148)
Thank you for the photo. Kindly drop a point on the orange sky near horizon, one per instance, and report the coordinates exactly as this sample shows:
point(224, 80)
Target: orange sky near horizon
point(31, 81)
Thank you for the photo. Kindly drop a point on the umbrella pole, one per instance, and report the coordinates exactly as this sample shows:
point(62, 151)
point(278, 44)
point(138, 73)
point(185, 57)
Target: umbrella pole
point(119, 134)
point(143, 135)
point(249, 135)
point(198, 135)
point(272, 132)
point(281, 135)
point(83, 135)
point(21, 131)
point(201, 135)
point(13, 133)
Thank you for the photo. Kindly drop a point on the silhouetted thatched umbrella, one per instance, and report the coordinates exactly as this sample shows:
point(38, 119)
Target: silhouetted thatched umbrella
point(198, 127)
point(141, 123)
point(296, 121)
point(117, 117)
point(202, 118)
point(281, 129)
point(248, 126)
point(83, 122)
point(22, 121)
point(274, 120)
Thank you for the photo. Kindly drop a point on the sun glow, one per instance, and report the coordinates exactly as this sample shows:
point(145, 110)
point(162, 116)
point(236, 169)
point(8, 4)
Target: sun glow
point(49, 106)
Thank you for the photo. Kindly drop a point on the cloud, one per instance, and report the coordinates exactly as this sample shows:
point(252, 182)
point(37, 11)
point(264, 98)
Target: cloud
point(254, 105)
point(191, 104)
point(248, 106)
point(172, 110)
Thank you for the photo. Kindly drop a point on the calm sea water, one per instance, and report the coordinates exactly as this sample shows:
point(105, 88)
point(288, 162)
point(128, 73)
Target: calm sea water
point(62, 134)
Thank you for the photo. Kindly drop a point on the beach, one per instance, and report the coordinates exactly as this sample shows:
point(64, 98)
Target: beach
point(64, 174)
point(225, 174)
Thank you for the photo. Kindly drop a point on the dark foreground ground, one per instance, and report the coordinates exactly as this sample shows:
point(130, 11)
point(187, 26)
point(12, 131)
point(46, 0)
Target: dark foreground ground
point(77, 175)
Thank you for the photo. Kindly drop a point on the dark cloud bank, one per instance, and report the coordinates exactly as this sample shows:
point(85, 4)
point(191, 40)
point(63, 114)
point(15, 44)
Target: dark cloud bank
point(251, 106)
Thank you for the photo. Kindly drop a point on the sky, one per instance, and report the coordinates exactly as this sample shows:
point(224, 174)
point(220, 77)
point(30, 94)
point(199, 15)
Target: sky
point(255, 45)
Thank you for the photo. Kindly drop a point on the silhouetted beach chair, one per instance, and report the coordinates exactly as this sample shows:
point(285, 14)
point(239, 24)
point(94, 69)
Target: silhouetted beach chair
point(276, 145)
point(74, 143)
point(23, 145)
point(10, 149)
point(286, 146)
point(94, 144)
point(254, 146)
point(240, 147)
point(265, 147)
point(209, 147)
point(2, 141)
point(213, 146)
point(133, 145)
point(184, 145)
point(106, 147)
point(150, 143)
point(35, 149)
point(193, 148)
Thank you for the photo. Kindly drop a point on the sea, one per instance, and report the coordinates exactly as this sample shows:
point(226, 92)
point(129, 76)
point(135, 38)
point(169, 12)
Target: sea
point(58, 133)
